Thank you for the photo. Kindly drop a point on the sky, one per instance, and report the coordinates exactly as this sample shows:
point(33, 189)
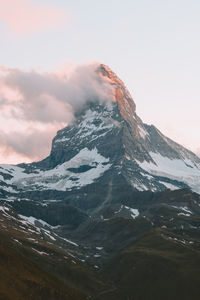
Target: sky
point(152, 45)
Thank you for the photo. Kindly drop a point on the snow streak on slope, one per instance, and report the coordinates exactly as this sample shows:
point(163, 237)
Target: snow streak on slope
point(176, 169)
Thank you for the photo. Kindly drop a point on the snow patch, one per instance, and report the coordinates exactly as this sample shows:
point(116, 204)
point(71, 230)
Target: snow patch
point(134, 212)
point(40, 252)
point(65, 176)
point(177, 169)
point(143, 133)
point(61, 140)
point(169, 185)
point(186, 212)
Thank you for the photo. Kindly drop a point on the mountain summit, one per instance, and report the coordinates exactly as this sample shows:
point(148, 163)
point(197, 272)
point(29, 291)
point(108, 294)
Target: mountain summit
point(107, 143)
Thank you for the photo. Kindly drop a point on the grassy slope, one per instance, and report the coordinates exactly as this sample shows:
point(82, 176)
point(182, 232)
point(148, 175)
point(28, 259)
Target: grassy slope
point(156, 268)
point(32, 268)
point(21, 278)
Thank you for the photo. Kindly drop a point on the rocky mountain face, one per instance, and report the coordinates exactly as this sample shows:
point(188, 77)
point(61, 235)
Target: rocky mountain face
point(114, 195)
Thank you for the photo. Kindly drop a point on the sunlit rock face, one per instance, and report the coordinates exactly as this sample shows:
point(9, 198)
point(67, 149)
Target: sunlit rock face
point(107, 142)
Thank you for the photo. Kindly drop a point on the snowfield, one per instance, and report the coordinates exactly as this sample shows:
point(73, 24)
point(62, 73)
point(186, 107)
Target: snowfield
point(182, 170)
point(84, 168)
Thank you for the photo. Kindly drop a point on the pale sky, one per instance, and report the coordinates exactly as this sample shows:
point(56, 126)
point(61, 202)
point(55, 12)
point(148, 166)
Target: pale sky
point(152, 45)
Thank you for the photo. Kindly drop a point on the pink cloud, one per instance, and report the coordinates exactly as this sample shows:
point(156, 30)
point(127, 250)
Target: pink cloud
point(34, 105)
point(24, 17)
point(8, 156)
point(22, 146)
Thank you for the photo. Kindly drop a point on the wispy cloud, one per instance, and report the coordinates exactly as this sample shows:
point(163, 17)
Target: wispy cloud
point(31, 144)
point(24, 17)
point(49, 97)
point(35, 105)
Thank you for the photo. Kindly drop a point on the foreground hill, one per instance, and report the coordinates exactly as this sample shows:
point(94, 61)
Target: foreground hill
point(116, 254)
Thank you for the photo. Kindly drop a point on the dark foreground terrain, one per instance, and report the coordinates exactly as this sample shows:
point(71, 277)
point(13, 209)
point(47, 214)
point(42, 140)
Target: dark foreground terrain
point(117, 256)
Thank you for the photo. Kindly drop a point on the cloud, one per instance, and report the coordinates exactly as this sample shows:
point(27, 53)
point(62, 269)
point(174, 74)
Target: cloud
point(31, 144)
point(37, 104)
point(49, 97)
point(24, 17)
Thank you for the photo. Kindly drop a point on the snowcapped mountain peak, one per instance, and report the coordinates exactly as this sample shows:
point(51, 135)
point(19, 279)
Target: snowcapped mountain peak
point(120, 92)
point(121, 147)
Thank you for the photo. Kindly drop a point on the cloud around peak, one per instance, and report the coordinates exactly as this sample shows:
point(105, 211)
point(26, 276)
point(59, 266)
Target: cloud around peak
point(47, 101)
point(49, 97)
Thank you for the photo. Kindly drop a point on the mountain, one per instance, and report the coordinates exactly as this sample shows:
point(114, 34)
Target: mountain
point(115, 205)
point(108, 143)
